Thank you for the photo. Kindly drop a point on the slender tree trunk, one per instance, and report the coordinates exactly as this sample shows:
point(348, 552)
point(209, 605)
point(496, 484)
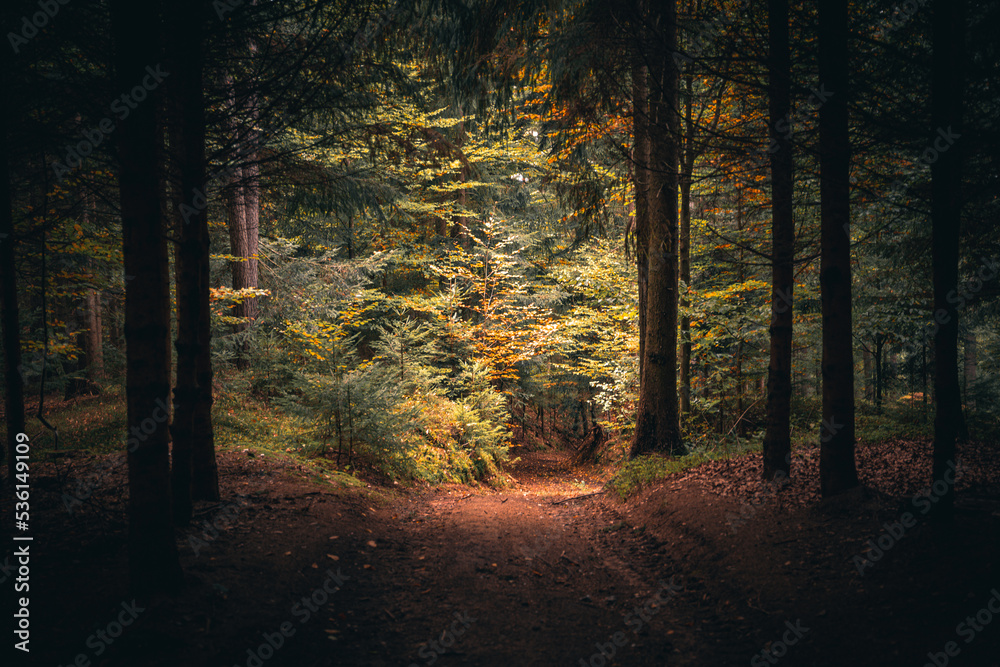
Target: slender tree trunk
point(970, 371)
point(740, 429)
point(14, 394)
point(947, 90)
point(866, 360)
point(94, 341)
point(153, 559)
point(923, 376)
point(192, 401)
point(657, 426)
point(838, 471)
point(879, 344)
point(640, 184)
point(88, 334)
point(684, 244)
point(242, 199)
point(777, 435)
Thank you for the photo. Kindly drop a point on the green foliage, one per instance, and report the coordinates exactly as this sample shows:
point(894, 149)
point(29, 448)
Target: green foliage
point(644, 470)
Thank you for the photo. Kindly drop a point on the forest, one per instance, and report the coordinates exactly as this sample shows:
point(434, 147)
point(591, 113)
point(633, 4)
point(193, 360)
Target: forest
point(403, 332)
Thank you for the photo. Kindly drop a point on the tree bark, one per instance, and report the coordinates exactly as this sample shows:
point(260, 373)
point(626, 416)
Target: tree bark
point(153, 561)
point(879, 365)
point(194, 451)
point(14, 395)
point(866, 360)
point(838, 471)
point(684, 244)
point(640, 184)
point(657, 426)
point(970, 371)
point(88, 338)
point(947, 90)
point(777, 435)
point(242, 201)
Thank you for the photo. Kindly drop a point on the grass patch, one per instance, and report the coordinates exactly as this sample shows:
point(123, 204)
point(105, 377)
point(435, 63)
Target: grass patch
point(644, 470)
point(92, 424)
point(242, 422)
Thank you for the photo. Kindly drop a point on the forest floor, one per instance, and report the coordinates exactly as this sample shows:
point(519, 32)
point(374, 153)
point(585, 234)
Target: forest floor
point(705, 567)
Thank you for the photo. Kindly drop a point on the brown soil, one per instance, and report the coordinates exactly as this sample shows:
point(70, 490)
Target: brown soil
point(530, 575)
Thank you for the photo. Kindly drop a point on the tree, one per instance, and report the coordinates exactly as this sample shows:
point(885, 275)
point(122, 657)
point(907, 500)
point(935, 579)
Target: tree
point(838, 471)
point(153, 558)
point(946, 218)
point(194, 475)
point(640, 179)
point(14, 403)
point(657, 425)
point(242, 200)
point(777, 442)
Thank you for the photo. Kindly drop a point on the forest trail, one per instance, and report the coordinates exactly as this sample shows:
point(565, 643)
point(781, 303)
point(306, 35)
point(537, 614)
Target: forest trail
point(552, 584)
point(510, 577)
point(546, 571)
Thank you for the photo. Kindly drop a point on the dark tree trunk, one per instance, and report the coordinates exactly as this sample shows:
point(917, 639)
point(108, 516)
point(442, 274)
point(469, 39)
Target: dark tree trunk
point(947, 86)
point(640, 183)
point(777, 435)
point(94, 341)
point(838, 471)
point(970, 371)
point(923, 375)
point(14, 394)
point(88, 338)
point(242, 201)
point(192, 400)
point(657, 426)
point(205, 473)
point(866, 360)
point(684, 244)
point(879, 345)
point(153, 559)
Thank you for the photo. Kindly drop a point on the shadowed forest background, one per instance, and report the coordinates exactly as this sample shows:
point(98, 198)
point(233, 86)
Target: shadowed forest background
point(298, 296)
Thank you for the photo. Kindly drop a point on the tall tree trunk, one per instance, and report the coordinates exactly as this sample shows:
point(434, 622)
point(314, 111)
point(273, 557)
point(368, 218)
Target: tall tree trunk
point(243, 244)
point(740, 279)
point(970, 371)
point(242, 200)
point(640, 184)
point(838, 471)
point(923, 376)
point(777, 435)
point(14, 394)
point(879, 365)
point(88, 338)
point(205, 473)
point(657, 426)
point(95, 340)
point(194, 452)
point(866, 360)
point(947, 90)
point(684, 243)
point(153, 559)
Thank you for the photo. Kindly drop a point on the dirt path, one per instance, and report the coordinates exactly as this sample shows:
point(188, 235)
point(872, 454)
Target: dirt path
point(511, 577)
point(544, 572)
